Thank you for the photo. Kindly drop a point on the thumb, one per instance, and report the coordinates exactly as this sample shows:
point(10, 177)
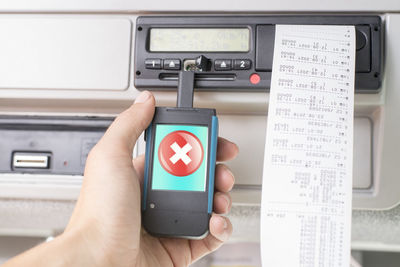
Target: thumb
point(128, 126)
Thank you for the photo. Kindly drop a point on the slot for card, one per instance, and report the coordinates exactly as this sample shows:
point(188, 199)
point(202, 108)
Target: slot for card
point(200, 77)
point(31, 160)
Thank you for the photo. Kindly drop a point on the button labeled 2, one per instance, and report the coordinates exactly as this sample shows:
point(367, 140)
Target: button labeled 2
point(242, 64)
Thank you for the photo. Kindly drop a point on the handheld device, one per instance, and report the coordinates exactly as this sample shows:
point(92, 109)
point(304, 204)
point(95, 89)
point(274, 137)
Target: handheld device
point(181, 144)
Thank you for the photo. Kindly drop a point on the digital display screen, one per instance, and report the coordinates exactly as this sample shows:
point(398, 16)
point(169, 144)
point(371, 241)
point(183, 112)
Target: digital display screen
point(180, 158)
point(199, 40)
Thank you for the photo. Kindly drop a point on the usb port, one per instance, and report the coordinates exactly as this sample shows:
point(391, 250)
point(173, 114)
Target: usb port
point(31, 160)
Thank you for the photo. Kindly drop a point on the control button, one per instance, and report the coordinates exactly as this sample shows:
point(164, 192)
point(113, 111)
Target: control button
point(242, 64)
point(153, 63)
point(172, 64)
point(223, 64)
point(361, 40)
point(255, 78)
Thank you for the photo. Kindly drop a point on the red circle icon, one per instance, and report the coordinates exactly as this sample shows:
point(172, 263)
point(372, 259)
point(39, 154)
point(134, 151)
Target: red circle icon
point(180, 153)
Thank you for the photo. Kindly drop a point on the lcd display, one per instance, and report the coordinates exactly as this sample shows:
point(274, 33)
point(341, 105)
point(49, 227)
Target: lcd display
point(199, 40)
point(180, 157)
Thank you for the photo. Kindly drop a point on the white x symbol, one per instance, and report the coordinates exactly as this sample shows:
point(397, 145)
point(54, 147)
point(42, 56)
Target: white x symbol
point(180, 153)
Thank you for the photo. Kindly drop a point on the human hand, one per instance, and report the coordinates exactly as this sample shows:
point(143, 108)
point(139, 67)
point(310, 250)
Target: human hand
point(105, 227)
point(108, 216)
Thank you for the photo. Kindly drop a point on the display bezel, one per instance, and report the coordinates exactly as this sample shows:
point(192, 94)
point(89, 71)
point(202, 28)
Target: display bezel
point(204, 161)
point(168, 199)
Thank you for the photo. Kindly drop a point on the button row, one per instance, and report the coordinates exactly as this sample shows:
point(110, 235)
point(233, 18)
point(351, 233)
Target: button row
point(226, 64)
point(169, 64)
point(219, 64)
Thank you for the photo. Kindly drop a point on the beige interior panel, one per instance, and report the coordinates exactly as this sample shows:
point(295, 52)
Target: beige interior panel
point(64, 53)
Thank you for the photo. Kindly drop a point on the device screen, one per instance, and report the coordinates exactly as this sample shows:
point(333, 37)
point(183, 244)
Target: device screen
point(199, 40)
point(180, 157)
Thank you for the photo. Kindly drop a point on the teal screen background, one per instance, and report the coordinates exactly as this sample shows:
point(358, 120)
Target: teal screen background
point(162, 180)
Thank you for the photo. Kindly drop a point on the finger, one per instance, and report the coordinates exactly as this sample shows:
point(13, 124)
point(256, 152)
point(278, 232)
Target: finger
point(226, 150)
point(178, 250)
point(138, 164)
point(127, 127)
point(224, 178)
point(220, 231)
point(220, 227)
point(222, 203)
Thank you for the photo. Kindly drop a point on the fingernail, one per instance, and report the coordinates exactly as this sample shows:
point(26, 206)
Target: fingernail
point(228, 170)
point(231, 174)
point(225, 235)
point(237, 147)
point(143, 97)
point(225, 224)
point(222, 234)
point(227, 200)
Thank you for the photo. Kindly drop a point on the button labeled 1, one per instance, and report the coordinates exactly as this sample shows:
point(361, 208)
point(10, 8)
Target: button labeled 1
point(242, 64)
point(153, 63)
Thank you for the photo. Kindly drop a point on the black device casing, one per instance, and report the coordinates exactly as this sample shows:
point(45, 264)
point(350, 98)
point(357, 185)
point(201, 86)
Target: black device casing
point(369, 50)
point(179, 213)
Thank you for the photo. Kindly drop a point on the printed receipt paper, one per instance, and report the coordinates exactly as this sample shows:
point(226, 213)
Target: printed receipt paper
point(307, 179)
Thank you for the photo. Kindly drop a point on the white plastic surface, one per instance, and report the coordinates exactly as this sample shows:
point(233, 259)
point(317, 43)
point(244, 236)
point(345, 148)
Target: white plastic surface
point(196, 6)
point(90, 53)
